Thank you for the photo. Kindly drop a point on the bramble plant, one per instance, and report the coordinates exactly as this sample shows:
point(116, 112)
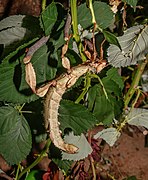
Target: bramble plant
point(39, 53)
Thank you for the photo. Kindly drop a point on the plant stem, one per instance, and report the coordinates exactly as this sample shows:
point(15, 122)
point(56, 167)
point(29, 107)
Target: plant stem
point(90, 5)
point(73, 5)
point(85, 90)
point(135, 82)
point(137, 97)
point(17, 172)
point(43, 5)
point(104, 90)
point(37, 160)
point(74, 20)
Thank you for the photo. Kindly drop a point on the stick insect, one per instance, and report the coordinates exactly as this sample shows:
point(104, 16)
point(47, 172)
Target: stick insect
point(54, 90)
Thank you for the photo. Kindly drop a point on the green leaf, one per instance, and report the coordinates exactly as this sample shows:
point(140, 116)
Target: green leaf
point(80, 142)
point(13, 86)
point(113, 74)
point(14, 34)
point(15, 135)
point(105, 109)
point(134, 45)
point(17, 30)
point(111, 86)
point(52, 17)
point(111, 38)
point(44, 71)
point(103, 14)
point(18, 27)
point(132, 3)
point(99, 105)
point(12, 54)
point(49, 18)
point(84, 16)
point(76, 117)
point(138, 117)
point(11, 21)
point(63, 164)
point(32, 23)
point(10, 79)
point(110, 135)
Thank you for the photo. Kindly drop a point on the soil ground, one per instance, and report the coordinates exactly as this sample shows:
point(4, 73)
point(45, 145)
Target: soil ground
point(128, 157)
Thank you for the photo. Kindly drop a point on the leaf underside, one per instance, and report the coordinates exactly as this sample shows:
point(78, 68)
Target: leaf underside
point(80, 142)
point(138, 117)
point(110, 135)
point(134, 45)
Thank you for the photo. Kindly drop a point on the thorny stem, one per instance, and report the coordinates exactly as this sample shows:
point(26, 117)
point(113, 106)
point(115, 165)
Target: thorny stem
point(43, 153)
point(135, 82)
point(73, 5)
point(43, 5)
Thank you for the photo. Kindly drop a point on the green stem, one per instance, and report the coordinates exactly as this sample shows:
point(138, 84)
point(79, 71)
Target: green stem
point(90, 5)
point(43, 5)
point(73, 5)
point(85, 90)
point(17, 172)
point(135, 83)
point(37, 160)
point(97, 77)
point(137, 97)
